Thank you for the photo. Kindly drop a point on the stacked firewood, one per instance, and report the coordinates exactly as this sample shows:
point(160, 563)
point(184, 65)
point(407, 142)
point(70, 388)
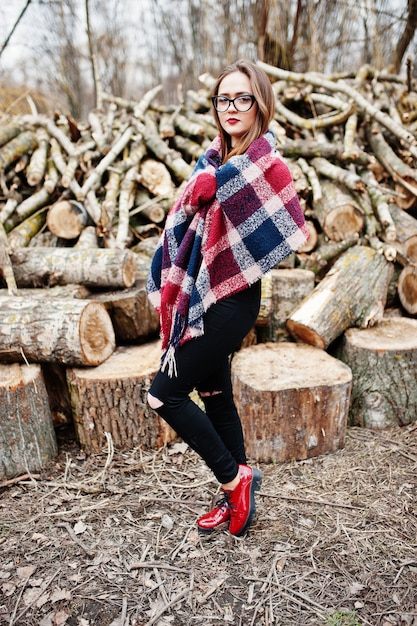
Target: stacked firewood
point(108, 182)
point(82, 205)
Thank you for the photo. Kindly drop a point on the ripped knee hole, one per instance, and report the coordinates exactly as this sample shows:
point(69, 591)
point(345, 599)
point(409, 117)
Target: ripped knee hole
point(153, 402)
point(207, 394)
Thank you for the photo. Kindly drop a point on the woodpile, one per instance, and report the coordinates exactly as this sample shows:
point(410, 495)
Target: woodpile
point(82, 205)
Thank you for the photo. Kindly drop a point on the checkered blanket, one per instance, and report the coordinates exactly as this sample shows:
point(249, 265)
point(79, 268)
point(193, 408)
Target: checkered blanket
point(231, 224)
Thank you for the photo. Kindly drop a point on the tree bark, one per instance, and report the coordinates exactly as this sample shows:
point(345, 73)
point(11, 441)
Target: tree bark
point(293, 400)
point(27, 437)
point(134, 318)
point(383, 360)
point(286, 289)
point(338, 213)
point(98, 267)
point(407, 35)
point(112, 398)
point(64, 330)
point(353, 293)
point(406, 231)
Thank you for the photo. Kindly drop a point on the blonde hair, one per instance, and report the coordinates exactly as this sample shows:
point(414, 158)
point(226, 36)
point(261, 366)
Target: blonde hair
point(265, 100)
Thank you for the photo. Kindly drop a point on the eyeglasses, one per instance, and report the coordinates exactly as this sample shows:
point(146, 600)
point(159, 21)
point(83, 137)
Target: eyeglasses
point(241, 103)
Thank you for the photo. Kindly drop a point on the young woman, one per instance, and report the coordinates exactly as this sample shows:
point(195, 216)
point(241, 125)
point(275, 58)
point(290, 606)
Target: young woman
point(237, 217)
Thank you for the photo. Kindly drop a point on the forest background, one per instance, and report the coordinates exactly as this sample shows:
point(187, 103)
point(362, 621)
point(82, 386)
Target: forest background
point(57, 50)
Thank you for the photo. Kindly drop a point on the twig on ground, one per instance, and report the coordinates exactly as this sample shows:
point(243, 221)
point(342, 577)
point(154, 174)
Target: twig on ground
point(75, 539)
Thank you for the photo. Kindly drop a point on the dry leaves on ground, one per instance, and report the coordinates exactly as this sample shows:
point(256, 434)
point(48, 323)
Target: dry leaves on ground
point(111, 540)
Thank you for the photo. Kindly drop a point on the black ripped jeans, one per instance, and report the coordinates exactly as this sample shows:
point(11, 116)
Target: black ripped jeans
point(203, 363)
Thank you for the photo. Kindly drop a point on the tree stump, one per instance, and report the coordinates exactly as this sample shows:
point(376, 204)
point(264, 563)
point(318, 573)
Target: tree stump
point(286, 289)
point(383, 360)
point(353, 293)
point(293, 400)
point(112, 398)
point(27, 436)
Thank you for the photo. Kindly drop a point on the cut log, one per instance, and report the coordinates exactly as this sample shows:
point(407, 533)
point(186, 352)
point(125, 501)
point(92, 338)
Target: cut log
point(24, 143)
point(407, 288)
point(337, 211)
point(98, 267)
point(353, 293)
point(312, 240)
point(112, 398)
point(27, 436)
point(406, 231)
point(293, 400)
point(134, 318)
point(63, 291)
point(64, 330)
point(288, 287)
point(66, 219)
point(383, 360)
point(155, 176)
point(6, 269)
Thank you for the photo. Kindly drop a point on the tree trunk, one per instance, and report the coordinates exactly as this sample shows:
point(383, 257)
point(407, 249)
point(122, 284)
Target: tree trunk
point(112, 398)
point(98, 267)
point(383, 360)
point(407, 34)
point(353, 292)
point(63, 330)
point(287, 288)
point(27, 437)
point(293, 400)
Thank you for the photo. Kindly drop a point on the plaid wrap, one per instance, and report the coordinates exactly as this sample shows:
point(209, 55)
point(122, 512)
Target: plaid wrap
point(231, 225)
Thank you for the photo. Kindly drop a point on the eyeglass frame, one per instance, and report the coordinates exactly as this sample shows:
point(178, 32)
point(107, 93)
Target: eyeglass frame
point(232, 101)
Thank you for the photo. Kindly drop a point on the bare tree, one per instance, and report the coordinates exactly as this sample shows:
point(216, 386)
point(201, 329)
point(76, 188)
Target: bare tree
point(407, 35)
point(132, 46)
point(15, 25)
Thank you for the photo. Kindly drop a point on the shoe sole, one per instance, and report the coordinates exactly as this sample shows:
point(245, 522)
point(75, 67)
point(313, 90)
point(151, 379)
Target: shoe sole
point(255, 486)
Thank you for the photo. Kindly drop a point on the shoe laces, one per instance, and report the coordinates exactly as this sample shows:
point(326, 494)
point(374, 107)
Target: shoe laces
point(224, 501)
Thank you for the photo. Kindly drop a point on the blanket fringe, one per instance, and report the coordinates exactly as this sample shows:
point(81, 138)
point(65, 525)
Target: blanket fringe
point(169, 362)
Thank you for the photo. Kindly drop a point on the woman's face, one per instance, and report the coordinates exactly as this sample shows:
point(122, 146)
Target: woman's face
point(236, 123)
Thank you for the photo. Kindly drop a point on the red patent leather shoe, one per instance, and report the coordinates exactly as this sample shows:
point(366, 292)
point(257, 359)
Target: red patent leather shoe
point(217, 516)
point(242, 500)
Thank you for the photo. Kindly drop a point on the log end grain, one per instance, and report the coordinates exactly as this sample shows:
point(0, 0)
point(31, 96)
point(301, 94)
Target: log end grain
point(407, 288)
point(342, 222)
point(129, 269)
point(65, 219)
point(301, 332)
point(411, 248)
point(97, 337)
point(293, 400)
